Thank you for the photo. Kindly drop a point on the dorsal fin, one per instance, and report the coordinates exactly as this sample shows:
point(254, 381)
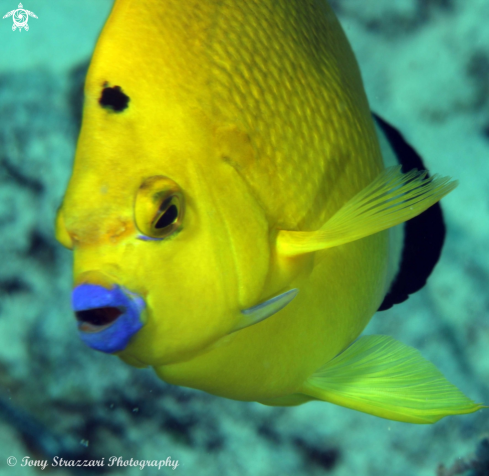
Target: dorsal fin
point(423, 235)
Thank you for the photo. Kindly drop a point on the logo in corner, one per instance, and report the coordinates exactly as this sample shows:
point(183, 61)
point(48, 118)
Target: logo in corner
point(20, 17)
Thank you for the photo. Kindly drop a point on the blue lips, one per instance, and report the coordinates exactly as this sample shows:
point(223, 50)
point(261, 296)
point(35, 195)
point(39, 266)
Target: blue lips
point(107, 318)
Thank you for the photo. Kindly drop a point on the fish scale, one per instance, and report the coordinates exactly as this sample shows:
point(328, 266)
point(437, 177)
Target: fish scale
point(264, 89)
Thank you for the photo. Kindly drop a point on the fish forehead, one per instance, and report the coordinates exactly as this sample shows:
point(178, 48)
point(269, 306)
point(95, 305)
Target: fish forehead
point(155, 49)
point(163, 129)
point(282, 72)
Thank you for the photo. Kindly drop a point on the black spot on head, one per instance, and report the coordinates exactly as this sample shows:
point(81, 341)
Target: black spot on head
point(113, 98)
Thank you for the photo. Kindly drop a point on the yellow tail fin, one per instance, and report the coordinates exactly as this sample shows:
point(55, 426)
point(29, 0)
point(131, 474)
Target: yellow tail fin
point(392, 198)
point(383, 377)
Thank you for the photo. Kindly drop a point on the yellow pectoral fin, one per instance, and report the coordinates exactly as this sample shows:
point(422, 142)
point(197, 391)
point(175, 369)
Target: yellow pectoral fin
point(392, 198)
point(383, 377)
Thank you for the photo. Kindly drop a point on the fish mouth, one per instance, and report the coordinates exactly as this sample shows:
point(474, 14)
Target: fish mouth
point(94, 320)
point(107, 318)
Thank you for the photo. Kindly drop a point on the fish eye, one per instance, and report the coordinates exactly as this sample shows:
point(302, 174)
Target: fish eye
point(159, 207)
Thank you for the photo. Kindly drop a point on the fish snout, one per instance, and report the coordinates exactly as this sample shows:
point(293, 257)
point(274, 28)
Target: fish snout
point(107, 317)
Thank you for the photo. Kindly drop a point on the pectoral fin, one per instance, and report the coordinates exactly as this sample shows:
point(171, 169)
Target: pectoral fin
point(383, 377)
point(260, 312)
point(392, 198)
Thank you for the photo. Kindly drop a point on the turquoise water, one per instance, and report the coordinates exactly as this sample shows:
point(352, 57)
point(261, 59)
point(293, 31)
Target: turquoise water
point(425, 66)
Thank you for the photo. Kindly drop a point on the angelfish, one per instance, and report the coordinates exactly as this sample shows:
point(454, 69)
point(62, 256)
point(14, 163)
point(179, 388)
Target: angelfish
point(236, 213)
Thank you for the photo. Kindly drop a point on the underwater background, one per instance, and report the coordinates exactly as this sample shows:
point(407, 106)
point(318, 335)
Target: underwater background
point(425, 65)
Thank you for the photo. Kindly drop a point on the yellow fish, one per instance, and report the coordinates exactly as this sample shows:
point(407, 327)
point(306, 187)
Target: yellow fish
point(231, 213)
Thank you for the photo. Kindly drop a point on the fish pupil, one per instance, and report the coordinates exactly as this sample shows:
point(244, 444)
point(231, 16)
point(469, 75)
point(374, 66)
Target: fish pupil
point(167, 218)
point(101, 316)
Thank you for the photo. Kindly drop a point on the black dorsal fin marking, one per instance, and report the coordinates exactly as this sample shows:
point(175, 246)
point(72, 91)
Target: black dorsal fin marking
point(423, 235)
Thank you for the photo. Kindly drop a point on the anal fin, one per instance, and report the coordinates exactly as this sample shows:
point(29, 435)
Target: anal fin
point(383, 377)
